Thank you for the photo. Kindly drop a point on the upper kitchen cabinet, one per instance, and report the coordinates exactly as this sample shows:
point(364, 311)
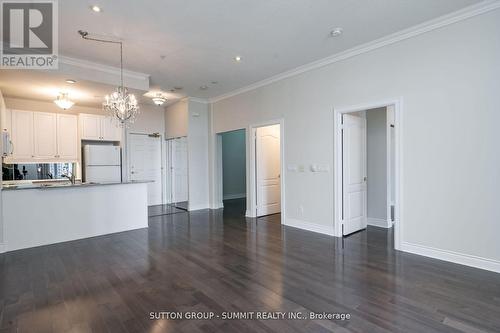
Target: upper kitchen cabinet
point(67, 136)
point(45, 135)
point(22, 135)
point(40, 136)
point(99, 128)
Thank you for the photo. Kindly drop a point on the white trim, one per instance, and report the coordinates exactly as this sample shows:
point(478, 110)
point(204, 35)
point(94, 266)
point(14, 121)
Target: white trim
point(379, 222)
point(103, 68)
point(219, 205)
point(198, 100)
point(337, 153)
point(251, 183)
point(443, 21)
point(319, 228)
point(234, 196)
point(197, 207)
point(3, 247)
point(451, 256)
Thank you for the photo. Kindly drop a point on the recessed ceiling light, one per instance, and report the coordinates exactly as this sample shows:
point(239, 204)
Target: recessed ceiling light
point(70, 81)
point(178, 88)
point(336, 32)
point(237, 58)
point(96, 8)
point(204, 87)
point(214, 82)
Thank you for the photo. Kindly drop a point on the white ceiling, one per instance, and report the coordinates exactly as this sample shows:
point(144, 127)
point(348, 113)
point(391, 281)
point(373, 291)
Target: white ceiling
point(46, 85)
point(200, 38)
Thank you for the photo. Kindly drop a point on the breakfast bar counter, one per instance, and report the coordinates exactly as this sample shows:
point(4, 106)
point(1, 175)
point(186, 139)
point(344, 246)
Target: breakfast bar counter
point(40, 215)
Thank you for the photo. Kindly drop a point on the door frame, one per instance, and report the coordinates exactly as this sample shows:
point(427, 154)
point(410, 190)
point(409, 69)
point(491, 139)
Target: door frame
point(162, 160)
point(397, 103)
point(169, 165)
point(252, 177)
point(219, 170)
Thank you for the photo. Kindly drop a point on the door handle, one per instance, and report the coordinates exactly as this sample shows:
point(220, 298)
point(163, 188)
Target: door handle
point(365, 179)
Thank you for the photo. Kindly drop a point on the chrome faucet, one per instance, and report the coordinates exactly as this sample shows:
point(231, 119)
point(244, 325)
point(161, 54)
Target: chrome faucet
point(71, 178)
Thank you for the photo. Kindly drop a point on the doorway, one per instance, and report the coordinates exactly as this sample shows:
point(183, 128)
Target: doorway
point(177, 163)
point(266, 170)
point(234, 184)
point(145, 164)
point(367, 168)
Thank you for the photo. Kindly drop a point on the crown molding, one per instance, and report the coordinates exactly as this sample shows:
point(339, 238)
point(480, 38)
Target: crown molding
point(102, 68)
point(443, 21)
point(198, 100)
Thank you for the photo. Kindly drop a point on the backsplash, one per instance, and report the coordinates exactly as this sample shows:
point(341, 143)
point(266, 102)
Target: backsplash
point(36, 171)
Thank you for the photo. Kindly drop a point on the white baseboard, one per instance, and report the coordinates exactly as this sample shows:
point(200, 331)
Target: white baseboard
point(248, 214)
point(235, 196)
point(319, 228)
point(379, 222)
point(198, 207)
point(217, 206)
point(455, 257)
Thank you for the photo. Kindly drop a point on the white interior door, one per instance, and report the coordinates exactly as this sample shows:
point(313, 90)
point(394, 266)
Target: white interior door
point(179, 168)
point(145, 164)
point(268, 170)
point(354, 191)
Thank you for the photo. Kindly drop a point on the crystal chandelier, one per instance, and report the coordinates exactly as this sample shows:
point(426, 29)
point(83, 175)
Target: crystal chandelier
point(120, 104)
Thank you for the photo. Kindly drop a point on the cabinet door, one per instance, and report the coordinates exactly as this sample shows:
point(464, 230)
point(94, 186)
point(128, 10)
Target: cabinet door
point(111, 131)
point(45, 136)
point(22, 135)
point(67, 137)
point(90, 126)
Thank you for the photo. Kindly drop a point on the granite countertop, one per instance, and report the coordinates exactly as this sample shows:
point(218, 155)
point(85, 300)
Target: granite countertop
point(59, 185)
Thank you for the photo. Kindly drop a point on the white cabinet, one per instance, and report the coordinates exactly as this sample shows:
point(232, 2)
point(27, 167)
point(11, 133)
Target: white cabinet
point(67, 137)
point(22, 135)
point(45, 135)
point(111, 131)
point(99, 128)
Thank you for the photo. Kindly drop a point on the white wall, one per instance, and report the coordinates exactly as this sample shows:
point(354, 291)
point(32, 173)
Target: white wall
point(176, 119)
point(376, 147)
point(198, 125)
point(234, 164)
point(449, 79)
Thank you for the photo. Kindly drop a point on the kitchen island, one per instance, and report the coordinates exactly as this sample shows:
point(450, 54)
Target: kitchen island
point(40, 215)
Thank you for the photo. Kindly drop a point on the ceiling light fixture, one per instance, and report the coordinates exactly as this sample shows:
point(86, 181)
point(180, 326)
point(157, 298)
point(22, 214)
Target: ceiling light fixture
point(70, 81)
point(63, 101)
point(159, 99)
point(237, 58)
point(120, 104)
point(336, 32)
point(204, 87)
point(96, 8)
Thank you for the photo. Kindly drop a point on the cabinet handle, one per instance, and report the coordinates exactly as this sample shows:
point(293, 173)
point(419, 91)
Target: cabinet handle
point(11, 147)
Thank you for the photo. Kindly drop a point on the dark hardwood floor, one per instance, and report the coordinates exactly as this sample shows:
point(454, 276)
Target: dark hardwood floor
point(219, 261)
